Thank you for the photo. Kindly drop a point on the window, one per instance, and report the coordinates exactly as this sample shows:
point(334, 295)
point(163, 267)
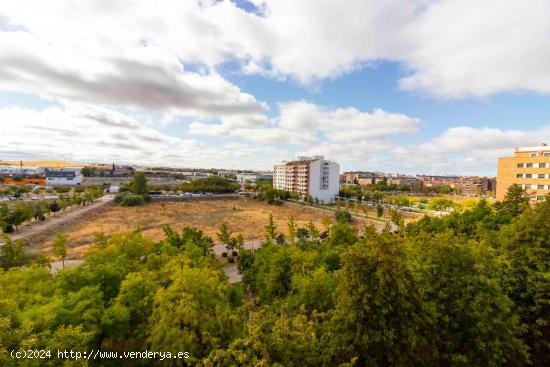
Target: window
point(528, 175)
point(520, 165)
point(547, 154)
point(541, 187)
point(528, 165)
point(540, 198)
point(520, 175)
point(541, 175)
point(532, 154)
point(542, 165)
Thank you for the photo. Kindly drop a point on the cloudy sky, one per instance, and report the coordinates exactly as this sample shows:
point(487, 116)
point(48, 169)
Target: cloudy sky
point(426, 86)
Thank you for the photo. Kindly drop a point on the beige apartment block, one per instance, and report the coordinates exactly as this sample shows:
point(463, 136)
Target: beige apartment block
point(529, 168)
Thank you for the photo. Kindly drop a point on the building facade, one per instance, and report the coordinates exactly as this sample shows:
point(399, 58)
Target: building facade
point(313, 176)
point(529, 168)
point(63, 178)
point(476, 186)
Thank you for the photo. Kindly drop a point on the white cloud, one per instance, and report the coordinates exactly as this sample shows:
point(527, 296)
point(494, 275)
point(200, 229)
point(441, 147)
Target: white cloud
point(448, 48)
point(466, 150)
point(345, 124)
point(131, 52)
point(476, 48)
point(305, 123)
point(113, 54)
point(81, 133)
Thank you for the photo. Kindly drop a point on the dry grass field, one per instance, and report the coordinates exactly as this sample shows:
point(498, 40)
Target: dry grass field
point(244, 216)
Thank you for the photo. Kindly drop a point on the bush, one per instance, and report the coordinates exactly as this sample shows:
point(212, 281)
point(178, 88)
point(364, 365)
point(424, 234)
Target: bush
point(8, 228)
point(62, 189)
point(224, 254)
point(379, 211)
point(133, 200)
point(127, 199)
point(342, 216)
point(234, 253)
point(231, 259)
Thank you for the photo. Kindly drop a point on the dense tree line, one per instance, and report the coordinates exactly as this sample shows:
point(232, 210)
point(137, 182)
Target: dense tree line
point(356, 190)
point(468, 289)
point(213, 184)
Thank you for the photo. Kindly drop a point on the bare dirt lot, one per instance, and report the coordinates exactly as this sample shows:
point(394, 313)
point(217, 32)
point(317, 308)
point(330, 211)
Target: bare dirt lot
point(244, 216)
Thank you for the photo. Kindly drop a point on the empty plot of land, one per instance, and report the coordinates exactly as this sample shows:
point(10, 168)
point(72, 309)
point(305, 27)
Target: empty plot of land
point(245, 216)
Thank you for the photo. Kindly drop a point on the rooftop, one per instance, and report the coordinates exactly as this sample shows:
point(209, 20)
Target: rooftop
point(541, 148)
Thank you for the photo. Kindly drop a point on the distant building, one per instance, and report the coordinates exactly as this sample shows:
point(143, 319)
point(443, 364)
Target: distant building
point(405, 181)
point(246, 177)
point(312, 176)
point(62, 178)
point(254, 177)
point(474, 186)
point(529, 168)
point(227, 173)
point(357, 177)
point(112, 170)
point(431, 181)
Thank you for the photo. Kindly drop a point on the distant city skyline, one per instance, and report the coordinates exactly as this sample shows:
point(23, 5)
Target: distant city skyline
point(374, 85)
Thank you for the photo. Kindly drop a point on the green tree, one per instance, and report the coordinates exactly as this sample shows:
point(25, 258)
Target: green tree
point(139, 184)
point(440, 204)
point(514, 203)
point(379, 211)
point(291, 230)
point(12, 252)
point(474, 321)
point(379, 318)
point(342, 216)
point(224, 234)
point(313, 231)
point(60, 246)
point(397, 218)
point(525, 246)
point(270, 230)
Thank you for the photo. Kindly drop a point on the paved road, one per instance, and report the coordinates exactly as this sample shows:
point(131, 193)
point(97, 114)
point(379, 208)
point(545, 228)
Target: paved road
point(231, 268)
point(60, 218)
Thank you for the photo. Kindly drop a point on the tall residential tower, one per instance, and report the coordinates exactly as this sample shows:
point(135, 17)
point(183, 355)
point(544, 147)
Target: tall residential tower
point(312, 176)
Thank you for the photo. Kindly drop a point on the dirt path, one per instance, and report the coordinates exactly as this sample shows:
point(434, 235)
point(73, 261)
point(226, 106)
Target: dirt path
point(54, 221)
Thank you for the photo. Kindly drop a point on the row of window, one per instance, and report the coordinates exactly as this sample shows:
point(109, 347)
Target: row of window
point(533, 175)
point(535, 187)
point(533, 165)
point(546, 154)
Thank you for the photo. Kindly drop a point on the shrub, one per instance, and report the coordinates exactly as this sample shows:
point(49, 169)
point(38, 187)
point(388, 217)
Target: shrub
point(127, 199)
point(8, 228)
point(224, 254)
point(231, 259)
point(132, 200)
point(119, 197)
point(234, 253)
point(342, 216)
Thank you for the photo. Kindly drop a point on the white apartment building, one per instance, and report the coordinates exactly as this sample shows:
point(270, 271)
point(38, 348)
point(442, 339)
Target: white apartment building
point(312, 176)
